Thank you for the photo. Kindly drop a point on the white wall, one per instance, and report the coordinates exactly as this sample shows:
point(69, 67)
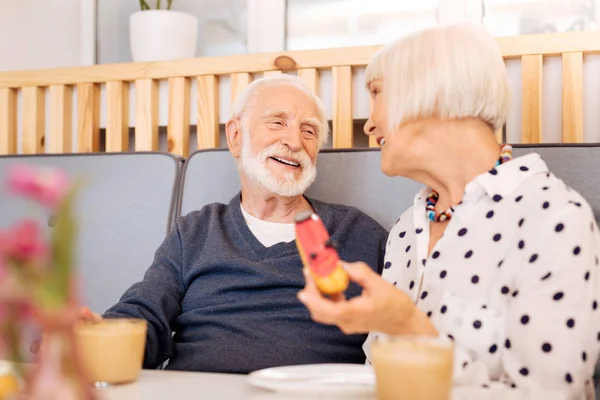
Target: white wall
point(40, 34)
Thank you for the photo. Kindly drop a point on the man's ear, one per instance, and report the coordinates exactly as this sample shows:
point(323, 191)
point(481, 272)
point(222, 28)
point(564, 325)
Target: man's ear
point(233, 131)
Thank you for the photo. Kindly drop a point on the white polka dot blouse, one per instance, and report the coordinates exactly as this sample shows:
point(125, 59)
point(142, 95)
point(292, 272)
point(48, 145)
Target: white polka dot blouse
point(513, 281)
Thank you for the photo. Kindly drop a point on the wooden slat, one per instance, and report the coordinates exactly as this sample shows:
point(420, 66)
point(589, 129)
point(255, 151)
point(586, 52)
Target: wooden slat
point(8, 121)
point(88, 118)
point(272, 73)
point(208, 112)
point(511, 47)
point(60, 135)
point(310, 76)
point(342, 107)
point(238, 84)
point(572, 97)
point(117, 116)
point(146, 115)
point(33, 125)
point(532, 99)
point(178, 130)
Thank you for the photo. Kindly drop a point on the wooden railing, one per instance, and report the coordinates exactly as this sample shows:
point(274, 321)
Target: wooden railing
point(56, 86)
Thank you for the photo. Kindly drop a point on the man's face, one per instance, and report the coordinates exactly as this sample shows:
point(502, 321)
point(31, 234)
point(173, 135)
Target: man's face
point(280, 140)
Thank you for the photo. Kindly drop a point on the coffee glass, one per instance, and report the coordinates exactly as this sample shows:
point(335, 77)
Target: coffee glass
point(111, 350)
point(412, 367)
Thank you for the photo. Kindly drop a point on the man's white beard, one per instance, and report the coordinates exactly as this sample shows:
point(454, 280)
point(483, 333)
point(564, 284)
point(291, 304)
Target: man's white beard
point(255, 167)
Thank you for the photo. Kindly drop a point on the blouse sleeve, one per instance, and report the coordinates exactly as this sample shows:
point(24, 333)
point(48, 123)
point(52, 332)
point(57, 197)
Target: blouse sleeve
point(550, 336)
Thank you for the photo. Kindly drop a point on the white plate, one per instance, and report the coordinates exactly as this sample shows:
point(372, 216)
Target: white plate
point(330, 379)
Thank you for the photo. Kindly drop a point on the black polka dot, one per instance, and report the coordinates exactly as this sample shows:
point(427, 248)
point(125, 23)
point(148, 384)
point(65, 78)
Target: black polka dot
point(497, 237)
point(429, 313)
point(505, 290)
point(443, 309)
point(450, 337)
point(545, 205)
point(568, 378)
point(515, 293)
point(395, 283)
point(408, 248)
point(507, 343)
point(474, 279)
point(424, 262)
point(576, 251)
point(523, 168)
point(533, 258)
point(570, 322)
point(477, 324)
point(493, 348)
point(546, 276)
point(559, 227)
point(469, 254)
point(521, 244)
point(524, 371)
point(465, 364)
point(412, 285)
point(575, 203)
point(462, 232)
point(493, 171)
point(419, 230)
point(598, 337)
point(512, 385)
point(587, 276)
point(435, 254)
point(558, 295)
point(497, 198)
point(387, 265)
point(485, 386)
point(584, 356)
point(519, 198)
point(500, 263)
point(525, 319)
point(521, 222)
point(443, 274)
point(408, 264)
point(402, 234)
point(490, 214)
point(594, 305)
point(423, 295)
point(545, 188)
point(546, 347)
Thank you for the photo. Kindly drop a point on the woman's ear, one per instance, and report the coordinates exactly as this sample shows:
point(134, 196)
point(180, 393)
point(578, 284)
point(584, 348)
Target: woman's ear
point(233, 132)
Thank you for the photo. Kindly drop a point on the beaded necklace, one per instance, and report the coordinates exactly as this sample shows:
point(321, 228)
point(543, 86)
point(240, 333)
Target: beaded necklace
point(432, 199)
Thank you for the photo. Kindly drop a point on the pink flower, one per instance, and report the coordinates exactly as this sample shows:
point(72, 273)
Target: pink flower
point(24, 243)
point(47, 186)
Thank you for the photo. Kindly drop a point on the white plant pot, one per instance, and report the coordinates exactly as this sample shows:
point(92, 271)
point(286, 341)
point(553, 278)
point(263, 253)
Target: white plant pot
point(157, 35)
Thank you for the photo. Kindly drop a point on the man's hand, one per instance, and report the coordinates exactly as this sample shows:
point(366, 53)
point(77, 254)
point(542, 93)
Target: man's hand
point(381, 307)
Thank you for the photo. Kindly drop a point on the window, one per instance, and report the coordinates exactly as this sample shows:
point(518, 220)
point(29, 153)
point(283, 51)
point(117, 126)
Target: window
point(312, 24)
point(522, 17)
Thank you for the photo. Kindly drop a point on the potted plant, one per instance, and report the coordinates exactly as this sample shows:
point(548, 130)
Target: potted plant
point(157, 34)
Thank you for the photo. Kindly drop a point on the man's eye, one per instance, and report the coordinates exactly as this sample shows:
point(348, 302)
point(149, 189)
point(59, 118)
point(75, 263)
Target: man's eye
point(277, 123)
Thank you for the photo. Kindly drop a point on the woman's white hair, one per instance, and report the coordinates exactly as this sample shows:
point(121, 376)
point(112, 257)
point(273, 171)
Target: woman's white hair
point(244, 100)
point(449, 72)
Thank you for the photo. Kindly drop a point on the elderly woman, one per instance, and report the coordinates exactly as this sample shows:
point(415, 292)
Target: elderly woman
point(496, 253)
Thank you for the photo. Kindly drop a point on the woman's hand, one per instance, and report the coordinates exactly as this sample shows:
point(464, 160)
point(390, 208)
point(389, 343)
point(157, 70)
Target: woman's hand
point(380, 308)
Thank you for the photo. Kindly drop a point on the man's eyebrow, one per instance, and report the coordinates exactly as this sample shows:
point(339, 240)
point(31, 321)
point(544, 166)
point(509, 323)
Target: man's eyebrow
point(314, 122)
point(274, 113)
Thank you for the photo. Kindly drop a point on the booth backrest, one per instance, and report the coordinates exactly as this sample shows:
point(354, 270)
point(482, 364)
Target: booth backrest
point(353, 177)
point(124, 211)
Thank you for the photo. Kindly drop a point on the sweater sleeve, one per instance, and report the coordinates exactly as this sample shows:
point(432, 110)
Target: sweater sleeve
point(156, 299)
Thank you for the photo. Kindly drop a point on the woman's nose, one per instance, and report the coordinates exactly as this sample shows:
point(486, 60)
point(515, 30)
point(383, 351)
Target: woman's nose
point(369, 127)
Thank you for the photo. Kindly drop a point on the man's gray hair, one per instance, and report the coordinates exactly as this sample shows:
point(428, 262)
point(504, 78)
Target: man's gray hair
point(449, 72)
point(243, 101)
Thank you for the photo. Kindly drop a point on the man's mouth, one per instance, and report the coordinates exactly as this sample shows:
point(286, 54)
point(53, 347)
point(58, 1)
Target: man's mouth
point(380, 141)
point(286, 162)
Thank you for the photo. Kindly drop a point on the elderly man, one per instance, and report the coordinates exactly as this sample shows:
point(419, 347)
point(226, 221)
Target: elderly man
point(220, 295)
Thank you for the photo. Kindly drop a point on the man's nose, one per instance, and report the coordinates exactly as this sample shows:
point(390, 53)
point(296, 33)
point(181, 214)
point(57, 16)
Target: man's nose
point(292, 139)
point(369, 127)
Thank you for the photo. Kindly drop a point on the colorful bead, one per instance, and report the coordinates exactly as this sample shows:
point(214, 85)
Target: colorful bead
point(432, 199)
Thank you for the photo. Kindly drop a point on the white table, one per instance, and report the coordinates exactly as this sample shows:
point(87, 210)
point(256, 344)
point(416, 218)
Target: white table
point(157, 385)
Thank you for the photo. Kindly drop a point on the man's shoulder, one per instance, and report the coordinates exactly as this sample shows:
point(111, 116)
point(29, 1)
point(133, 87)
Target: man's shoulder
point(202, 218)
point(341, 215)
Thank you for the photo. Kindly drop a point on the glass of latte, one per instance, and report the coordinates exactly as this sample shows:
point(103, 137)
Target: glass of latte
point(412, 367)
point(111, 350)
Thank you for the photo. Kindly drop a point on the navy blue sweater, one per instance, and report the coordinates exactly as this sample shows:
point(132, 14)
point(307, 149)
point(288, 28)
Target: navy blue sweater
point(231, 302)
